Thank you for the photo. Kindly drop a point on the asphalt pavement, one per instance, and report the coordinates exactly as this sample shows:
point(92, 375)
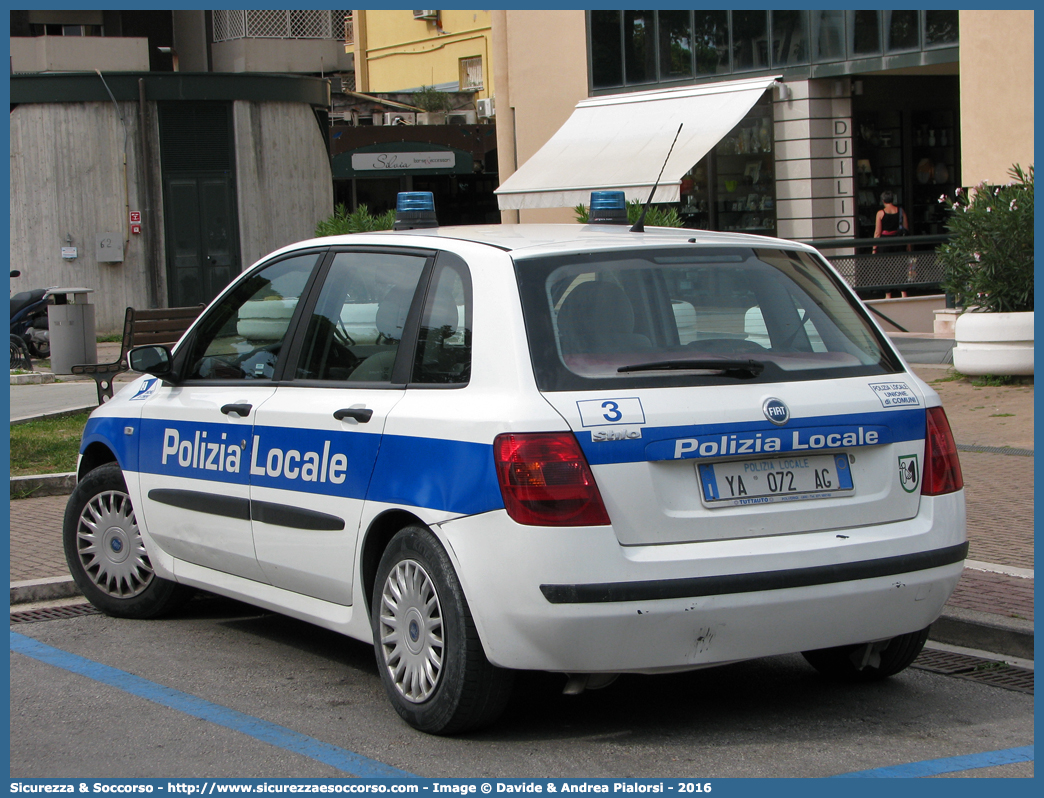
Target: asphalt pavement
point(991, 609)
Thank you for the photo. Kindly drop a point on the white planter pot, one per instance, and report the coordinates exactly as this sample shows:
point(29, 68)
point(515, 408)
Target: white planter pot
point(994, 343)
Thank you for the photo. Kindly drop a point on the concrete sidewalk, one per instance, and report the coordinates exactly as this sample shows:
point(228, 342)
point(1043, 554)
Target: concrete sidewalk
point(991, 609)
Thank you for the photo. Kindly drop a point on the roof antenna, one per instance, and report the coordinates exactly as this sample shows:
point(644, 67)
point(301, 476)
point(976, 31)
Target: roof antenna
point(639, 226)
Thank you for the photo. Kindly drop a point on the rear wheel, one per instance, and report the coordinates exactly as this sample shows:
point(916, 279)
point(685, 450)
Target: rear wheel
point(428, 650)
point(105, 551)
point(868, 662)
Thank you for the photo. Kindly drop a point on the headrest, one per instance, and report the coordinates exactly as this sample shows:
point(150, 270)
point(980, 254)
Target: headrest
point(444, 313)
point(392, 310)
point(595, 305)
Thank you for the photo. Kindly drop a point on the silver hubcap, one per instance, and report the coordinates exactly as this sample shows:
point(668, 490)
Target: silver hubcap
point(110, 547)
point(411, 631)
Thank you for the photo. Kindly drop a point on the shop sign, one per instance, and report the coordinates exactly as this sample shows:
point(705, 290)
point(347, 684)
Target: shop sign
point(842, 156)
point(377, 161)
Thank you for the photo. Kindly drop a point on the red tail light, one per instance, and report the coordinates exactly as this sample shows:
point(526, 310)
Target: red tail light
point(942, 468)
point(546, 481)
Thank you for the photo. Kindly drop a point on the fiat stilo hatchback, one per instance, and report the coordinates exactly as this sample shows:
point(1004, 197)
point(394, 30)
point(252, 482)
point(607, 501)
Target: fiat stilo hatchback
point(576, 449)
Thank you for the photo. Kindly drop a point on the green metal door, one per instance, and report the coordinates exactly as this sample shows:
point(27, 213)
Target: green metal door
point(199, 200)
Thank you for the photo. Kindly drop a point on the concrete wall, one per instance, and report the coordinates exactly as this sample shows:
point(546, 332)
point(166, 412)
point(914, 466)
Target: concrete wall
point(915, 313)
point(540, 62)
point(281, 55)
point(397, 52)
point(283, 178)
point(996, 94)
point(67, 182)
point(190, 40)
point(70, 53)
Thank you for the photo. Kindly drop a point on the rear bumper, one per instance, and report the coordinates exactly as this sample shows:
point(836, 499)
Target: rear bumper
point(574, 600)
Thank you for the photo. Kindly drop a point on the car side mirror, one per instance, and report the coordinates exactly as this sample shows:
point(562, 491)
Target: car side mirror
point(155, 360)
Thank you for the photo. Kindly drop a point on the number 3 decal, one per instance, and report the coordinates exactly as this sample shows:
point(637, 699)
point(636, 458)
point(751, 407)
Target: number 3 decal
point(614, 413)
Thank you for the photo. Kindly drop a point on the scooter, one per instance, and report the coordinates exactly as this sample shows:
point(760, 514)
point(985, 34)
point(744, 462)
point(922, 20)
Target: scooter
point(29, 320)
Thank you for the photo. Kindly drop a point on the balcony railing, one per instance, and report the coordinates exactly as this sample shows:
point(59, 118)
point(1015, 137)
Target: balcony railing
point(288, 24)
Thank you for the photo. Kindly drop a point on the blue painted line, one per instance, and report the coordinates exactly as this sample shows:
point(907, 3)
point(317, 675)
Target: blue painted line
point(953, 764)
point(346, 761)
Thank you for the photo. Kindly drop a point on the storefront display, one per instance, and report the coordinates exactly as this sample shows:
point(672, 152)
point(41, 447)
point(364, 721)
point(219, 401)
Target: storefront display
point(733, 187)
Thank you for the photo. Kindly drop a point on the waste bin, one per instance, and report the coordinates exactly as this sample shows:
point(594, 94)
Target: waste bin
point(71, 323)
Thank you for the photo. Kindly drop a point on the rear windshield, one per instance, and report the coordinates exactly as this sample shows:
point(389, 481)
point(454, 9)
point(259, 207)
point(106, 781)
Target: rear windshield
point(661, 317)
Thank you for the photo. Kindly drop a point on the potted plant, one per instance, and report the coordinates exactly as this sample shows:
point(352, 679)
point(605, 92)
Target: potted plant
point(989, 272)
point(433, 104)
point(361, 220)
point(658, 216)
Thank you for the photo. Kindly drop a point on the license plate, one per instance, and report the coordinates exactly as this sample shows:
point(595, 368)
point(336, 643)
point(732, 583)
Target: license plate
point(779, 479)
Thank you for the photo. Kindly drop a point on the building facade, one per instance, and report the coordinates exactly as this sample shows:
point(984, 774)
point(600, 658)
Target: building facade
point(400, 51)
point(918, 102)
point(151, 184)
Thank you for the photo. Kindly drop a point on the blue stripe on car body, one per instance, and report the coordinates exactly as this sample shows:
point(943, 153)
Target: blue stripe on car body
point(436, 473)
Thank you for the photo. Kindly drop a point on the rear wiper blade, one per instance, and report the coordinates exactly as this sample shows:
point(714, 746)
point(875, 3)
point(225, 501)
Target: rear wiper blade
point(750, 367)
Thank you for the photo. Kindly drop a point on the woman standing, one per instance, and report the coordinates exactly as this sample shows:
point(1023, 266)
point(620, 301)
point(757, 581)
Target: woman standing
point(891, 221)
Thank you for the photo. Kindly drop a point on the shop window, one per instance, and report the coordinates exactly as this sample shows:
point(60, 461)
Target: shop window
point(711, 42)
point(749, 40)
point(639, 49)
point(606, 49)
point(828, 35)
point(733, 187)
point(902, 29)
point(866, 33)
point(940, 28)
point(675, 45)
point(789, 38)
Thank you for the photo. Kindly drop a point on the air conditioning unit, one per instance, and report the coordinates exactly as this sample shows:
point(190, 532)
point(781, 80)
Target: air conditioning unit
point(425, 14)
point(400, 118)
point(486, 109)
point(461, 118)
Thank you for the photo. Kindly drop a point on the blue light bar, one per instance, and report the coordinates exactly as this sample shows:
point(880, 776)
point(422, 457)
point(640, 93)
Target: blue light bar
point(607, 207)
point(415, 210)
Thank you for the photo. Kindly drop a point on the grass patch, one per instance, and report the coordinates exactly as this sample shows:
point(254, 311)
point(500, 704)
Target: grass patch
point(1001, 415)
point(985, 381)
point(48, 446)
point(995, 381)
point(109, 339)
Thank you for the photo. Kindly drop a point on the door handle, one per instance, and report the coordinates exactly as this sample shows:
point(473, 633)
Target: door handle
point(360, 414)
point(242, 409)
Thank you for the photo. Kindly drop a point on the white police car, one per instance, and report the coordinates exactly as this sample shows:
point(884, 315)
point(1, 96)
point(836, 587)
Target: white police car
point(576, 449)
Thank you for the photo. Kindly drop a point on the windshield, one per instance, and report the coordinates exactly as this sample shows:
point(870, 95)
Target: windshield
point(693, 316)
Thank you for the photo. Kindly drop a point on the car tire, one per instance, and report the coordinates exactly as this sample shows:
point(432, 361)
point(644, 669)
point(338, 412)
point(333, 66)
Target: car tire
point(428, 651)
point(106, 554)
point(846, 663)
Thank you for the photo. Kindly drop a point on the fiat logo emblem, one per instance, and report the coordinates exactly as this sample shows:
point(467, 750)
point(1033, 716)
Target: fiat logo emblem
point(776, 411)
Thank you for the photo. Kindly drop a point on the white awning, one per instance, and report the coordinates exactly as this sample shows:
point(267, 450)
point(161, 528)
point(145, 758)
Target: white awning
point(620, 142)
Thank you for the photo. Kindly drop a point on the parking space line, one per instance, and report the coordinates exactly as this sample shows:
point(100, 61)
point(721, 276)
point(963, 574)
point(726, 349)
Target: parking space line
point(953, 764)
point(271, 733)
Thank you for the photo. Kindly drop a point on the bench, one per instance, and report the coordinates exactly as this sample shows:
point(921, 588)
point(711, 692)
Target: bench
point(140, 328)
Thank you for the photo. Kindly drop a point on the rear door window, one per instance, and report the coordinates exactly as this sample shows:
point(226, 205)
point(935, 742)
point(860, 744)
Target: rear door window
point(355, 329)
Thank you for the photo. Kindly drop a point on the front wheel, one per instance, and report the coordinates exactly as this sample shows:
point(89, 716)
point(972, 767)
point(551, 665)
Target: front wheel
point(868, 662)
point(428, 651)
point(105, 551)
